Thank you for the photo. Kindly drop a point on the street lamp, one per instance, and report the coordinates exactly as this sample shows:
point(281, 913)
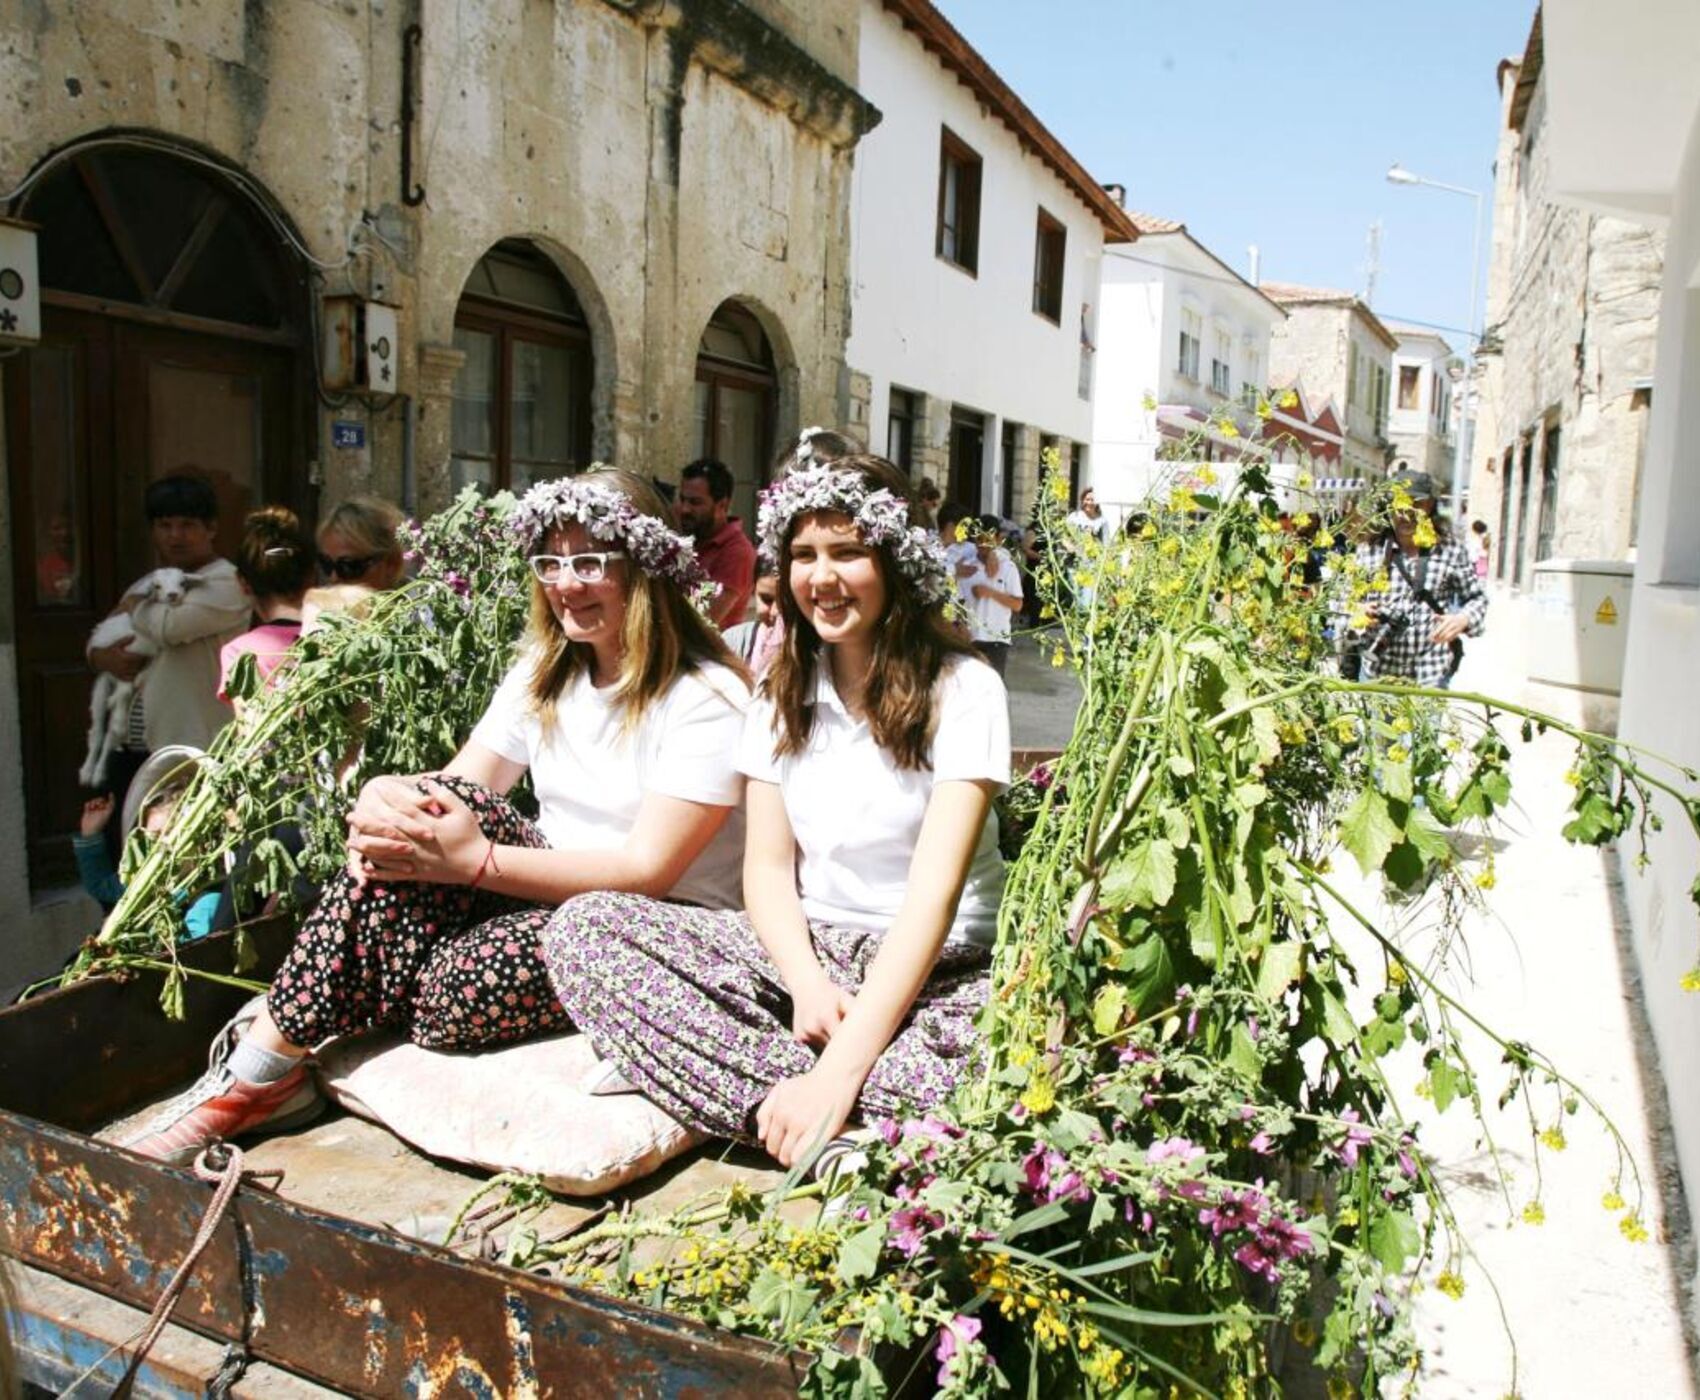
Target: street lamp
point(1398, 175)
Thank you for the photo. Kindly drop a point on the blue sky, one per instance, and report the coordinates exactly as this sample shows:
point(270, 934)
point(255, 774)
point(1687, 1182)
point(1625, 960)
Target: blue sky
point(1275, 125)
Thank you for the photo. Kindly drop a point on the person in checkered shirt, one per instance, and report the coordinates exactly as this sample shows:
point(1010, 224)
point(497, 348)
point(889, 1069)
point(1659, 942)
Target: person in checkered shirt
point(1432, 599)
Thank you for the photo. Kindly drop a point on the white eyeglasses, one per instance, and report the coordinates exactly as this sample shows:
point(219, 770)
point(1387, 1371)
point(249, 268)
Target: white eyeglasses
point(586, 568)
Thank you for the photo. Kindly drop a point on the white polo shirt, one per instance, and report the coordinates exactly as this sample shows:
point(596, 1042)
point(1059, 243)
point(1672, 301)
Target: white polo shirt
point(993, 622)
point(857, 816)
point(591, 775)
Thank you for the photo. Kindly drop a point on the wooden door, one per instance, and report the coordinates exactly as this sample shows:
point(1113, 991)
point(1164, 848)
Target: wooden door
point(967, 460)
point(97, 411)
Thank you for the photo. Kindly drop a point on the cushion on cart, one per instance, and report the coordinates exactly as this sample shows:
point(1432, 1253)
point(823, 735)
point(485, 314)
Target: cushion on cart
point(521, 1108)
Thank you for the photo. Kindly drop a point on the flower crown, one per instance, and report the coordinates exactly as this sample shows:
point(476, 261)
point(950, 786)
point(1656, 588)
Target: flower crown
point(881, 518)
point(609, 518)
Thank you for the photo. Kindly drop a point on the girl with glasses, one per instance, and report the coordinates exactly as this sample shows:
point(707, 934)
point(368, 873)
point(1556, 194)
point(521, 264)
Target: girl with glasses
point(871, 870)
point(625, 708)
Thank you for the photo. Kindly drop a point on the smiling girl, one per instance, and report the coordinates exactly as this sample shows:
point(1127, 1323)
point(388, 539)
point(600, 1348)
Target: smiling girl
point(625, 707)
point(871, 868)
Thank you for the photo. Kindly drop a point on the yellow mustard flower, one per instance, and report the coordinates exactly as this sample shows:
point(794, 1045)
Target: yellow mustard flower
point(1450, 1284)
point(1691, 980)
point(1611, 1200)
point(1553, 1139)
point(1306, 481)
point(1534, 1214)
point(1424, 536)
point(1632, 1229)
point(1149, 403)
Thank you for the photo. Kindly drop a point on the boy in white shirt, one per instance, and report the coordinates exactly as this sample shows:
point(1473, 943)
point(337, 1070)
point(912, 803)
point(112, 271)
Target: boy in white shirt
point(995, 594)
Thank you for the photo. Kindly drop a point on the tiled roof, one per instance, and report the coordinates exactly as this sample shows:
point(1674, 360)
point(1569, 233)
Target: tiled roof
point(1150, 223)
point(1295, 294)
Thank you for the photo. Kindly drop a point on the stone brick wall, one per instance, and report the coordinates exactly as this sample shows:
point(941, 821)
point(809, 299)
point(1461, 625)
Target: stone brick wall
point(1572, 317)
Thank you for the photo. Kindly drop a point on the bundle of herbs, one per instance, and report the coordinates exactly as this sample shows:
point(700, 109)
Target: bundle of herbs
point(391, 685)
point(1184, 1145)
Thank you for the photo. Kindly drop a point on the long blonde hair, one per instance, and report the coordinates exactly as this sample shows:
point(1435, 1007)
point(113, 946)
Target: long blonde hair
point(663, 636)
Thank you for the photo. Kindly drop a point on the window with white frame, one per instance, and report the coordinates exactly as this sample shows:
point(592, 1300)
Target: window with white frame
point(1192, 341)
point(1250, 385)
point(1221, 349)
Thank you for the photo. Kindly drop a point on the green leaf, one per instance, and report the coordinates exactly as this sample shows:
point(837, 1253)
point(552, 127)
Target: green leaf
point(1427, 835)
point(1445, 1084)
point(1337, 1023)
point(1368, 831)
point(1404, 866)
point(1143, 878)
point(1151, 973)
point(1181, 766)
point(1396, 781)
point(1242, 1054)
point(1281, 966)
point(1176, 826)
point(1107, 1008)
point(1248, 795)
point(859, 1256)
point(1394, 1238)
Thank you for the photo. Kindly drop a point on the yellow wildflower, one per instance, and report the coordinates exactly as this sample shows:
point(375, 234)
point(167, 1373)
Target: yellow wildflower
point(1207, 474)
point(1289, 399)
point(1149, 403)
point(1380, 583)
point(1227, 429)
point(1572, 777)
point(1402, 725)
point(1534, 1214)
point(1553, 1139)
point(1057, 658)
point(1361, 621)
point(1611, 1200)
point(1169, 547)
point(1306, 481)
point(1398, 754)
point(1450, 1284)
point(1039, 1097)
point(1264, 408)
point(1301, 520)
point(1486, 880)
point(1345, 728)
point(1424, 536)
point(1325, 538)
point(1402, 498)
point(1396, 974)
point(1148, 531)
point(1691, 980)
point(1059, 489)
point(1632, 1229)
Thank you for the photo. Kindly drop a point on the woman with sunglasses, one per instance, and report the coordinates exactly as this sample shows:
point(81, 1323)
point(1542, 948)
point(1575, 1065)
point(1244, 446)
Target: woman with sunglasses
point(357, 544)
point(625, 707)
point(871, 871)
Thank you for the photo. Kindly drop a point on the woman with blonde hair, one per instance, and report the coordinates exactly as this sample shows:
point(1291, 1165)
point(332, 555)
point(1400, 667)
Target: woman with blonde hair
point(357, 543)
point(625, 707)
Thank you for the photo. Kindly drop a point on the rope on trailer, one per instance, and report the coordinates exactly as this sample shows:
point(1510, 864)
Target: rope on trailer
point(221, 1165)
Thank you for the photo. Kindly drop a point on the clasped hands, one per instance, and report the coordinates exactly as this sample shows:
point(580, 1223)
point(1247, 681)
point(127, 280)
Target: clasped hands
point(413, 829)
point(806, 1110)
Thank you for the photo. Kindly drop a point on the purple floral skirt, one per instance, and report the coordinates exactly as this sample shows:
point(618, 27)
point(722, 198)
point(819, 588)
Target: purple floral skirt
point(688, 1005)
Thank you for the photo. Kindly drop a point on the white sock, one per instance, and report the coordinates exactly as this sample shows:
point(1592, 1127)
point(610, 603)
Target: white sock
point(249, 1063)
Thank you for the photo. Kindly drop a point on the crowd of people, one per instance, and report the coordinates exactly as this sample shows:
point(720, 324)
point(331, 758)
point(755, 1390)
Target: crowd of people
point(763, 874)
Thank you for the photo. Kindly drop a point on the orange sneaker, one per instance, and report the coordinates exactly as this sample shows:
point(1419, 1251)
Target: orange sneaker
point(219, 1107)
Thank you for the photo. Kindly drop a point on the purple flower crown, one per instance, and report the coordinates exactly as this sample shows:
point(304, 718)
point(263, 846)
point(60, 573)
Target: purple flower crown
point(609, 518)
point(881, 518)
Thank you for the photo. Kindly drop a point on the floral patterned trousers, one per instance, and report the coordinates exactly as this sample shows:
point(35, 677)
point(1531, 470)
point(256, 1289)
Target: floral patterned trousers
point(688, 1005)
point(458, 968)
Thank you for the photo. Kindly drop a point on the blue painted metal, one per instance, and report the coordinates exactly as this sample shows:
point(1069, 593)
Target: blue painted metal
point(344, 1303)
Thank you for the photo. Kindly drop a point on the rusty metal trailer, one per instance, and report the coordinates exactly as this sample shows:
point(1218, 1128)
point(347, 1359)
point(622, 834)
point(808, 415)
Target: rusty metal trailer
point(313, 1298)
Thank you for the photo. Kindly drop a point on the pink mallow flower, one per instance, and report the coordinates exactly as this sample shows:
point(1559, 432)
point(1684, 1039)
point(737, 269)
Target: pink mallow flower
point(1357, 1136)
point(954, 1336)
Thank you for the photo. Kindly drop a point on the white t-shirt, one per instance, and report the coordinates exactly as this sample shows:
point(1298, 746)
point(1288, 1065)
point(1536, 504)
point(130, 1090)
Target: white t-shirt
point(857, 815)
point(993, 622)
point(957, 554)
point(591, 777)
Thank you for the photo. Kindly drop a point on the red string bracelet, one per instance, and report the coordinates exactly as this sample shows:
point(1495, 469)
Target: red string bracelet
point(488, 863)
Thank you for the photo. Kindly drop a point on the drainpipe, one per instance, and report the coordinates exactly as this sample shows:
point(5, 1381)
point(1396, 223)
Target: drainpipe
point(409, 440)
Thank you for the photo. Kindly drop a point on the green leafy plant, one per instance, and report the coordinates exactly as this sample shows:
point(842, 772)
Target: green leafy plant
point(1183, 1141)
point(392, 687)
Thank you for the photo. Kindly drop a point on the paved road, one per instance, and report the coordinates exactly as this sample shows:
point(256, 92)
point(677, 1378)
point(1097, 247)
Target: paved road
point(1592, 1314)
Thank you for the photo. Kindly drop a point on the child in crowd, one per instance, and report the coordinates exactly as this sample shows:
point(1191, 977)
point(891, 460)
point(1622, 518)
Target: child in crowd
point(756, 642)
point(274, 565)
point(994, 594)
point(871, 872)
point(158, 787)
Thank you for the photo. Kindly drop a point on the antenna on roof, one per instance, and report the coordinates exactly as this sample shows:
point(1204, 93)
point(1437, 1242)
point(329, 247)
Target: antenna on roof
point(1372, 263)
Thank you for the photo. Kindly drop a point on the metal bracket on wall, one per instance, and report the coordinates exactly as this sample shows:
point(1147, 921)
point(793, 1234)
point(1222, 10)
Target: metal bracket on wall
point(412, 195)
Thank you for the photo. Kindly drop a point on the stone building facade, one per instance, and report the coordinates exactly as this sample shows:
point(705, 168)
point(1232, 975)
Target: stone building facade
point(1333, 347)
point(609, 229)
point(1567, 355)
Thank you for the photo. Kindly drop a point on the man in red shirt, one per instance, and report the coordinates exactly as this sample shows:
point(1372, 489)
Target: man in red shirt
point(704, 505)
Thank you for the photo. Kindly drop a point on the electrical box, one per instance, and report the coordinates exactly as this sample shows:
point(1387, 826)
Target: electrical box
point(1580, 623)
point(20, 291)
point(359, 346)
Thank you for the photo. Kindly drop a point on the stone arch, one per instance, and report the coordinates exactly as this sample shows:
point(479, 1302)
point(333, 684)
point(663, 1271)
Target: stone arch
point(726, 381)
point(574, 330)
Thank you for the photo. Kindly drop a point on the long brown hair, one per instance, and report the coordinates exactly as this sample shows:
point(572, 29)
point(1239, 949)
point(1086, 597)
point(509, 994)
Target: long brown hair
point(663, 636)
point(275, 558)
point(911, 643)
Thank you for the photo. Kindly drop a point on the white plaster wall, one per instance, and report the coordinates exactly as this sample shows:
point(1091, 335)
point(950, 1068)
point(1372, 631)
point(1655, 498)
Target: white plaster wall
point(922, 324)
point(1143, 291)
point(1662, 668)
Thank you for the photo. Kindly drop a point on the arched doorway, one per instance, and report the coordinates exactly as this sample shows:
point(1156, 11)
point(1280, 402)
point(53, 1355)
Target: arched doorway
point(172, 320)
point(522, 396)
point(737, 394)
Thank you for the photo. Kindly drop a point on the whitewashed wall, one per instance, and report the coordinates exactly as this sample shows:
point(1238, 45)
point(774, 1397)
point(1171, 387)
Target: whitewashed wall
point(924, 325)
point(1144, 291)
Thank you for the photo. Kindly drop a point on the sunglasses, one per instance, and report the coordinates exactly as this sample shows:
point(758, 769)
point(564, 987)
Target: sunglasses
point(586, 568)
point(348, 567)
